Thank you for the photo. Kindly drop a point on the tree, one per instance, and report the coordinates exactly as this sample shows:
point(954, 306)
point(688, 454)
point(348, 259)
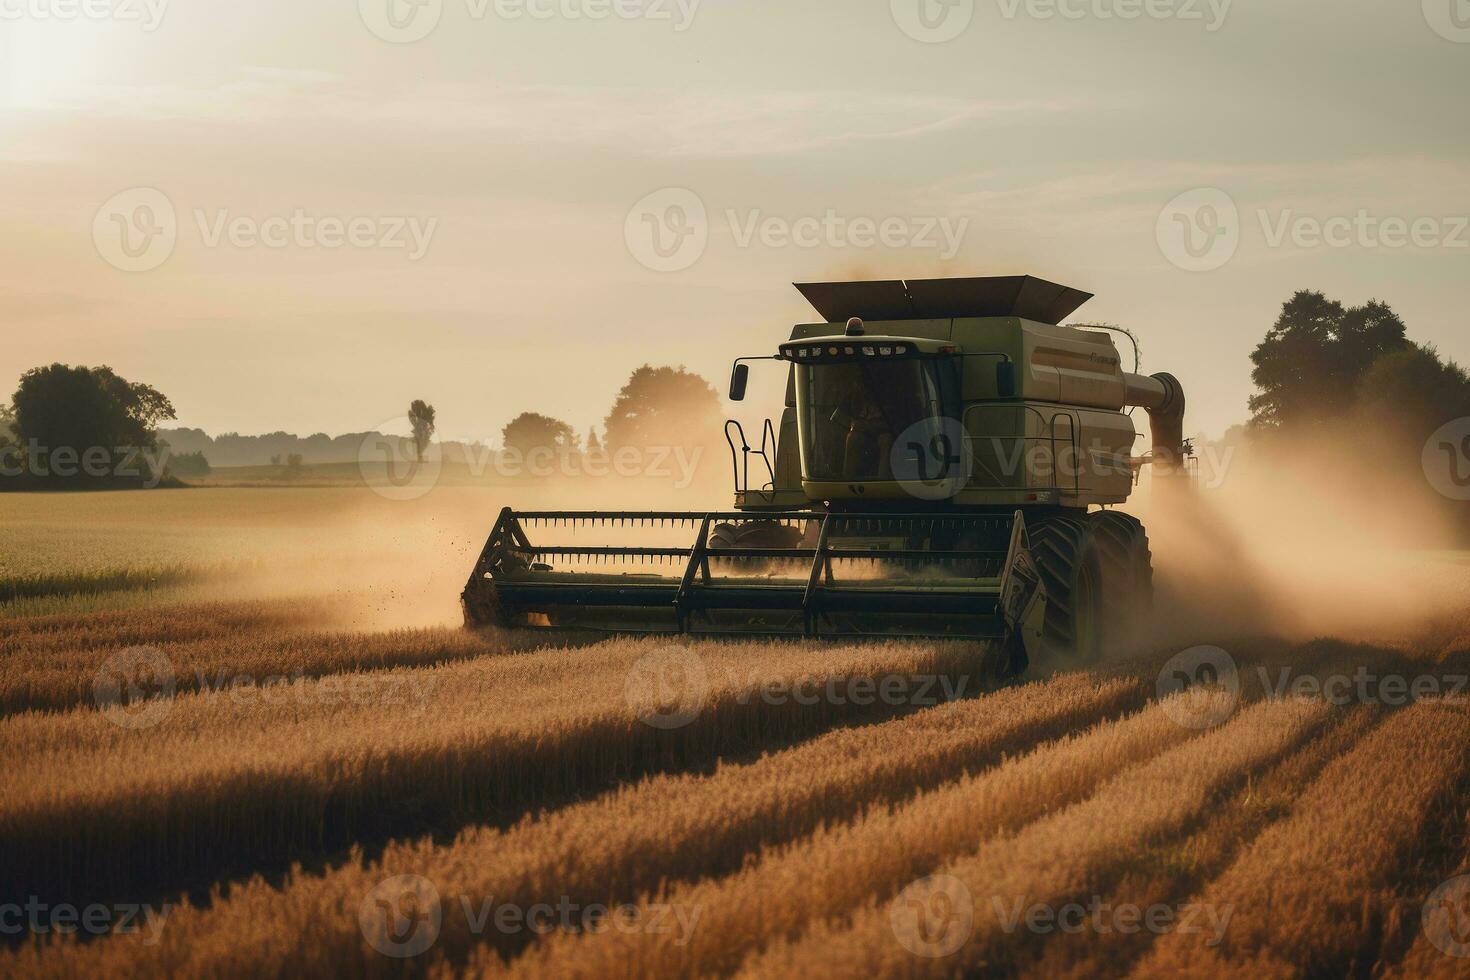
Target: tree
point(291, 465)
point(1310, 364)
point(663, 406)
point(529, 431)
point(80, 410)
point(594, 445)
point(421, 417)
point(189, 464)
point(1413, 391)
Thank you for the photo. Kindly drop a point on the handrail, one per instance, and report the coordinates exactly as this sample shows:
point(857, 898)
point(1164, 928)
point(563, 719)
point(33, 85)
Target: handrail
point(740, 458)
point(768, 432)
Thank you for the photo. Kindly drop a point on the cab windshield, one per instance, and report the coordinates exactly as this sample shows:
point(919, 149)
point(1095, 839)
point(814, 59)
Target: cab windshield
point(857, 410)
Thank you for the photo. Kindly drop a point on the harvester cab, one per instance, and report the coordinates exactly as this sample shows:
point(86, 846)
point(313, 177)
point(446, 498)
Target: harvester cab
point(934, 472)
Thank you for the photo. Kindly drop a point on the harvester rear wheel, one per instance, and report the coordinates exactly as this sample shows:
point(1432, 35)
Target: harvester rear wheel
point(1066, 552)
point(1128, 573)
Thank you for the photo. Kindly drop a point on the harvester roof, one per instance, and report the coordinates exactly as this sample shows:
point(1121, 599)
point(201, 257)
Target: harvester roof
point(933, 299)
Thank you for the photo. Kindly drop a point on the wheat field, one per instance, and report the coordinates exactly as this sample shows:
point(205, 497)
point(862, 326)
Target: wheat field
point(214, 772)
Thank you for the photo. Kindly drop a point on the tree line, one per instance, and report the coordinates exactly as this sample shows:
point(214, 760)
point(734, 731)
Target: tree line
point(1344, 391)
point(1341, 380)
point(61, 415)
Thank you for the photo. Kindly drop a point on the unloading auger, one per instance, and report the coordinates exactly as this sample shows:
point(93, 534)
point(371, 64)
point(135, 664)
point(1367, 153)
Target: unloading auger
point(935, 471)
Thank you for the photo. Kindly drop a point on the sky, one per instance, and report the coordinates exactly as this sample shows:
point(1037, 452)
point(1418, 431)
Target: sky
point(302, 215)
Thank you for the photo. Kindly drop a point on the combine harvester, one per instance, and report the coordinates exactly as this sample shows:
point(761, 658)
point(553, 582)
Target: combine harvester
point(933, 474)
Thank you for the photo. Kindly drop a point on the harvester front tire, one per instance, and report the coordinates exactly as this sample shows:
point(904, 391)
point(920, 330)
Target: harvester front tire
point(1067, 554)
point(753, 534)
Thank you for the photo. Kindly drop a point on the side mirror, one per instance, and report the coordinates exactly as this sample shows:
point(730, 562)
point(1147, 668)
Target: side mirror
point(1005, 379)
point(738, 380)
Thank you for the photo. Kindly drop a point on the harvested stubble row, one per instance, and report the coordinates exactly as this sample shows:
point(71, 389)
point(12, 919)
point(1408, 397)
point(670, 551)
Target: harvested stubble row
point(224, 783)
point(607, 850)
point(841, 867)
point(1443, 918)
point(1169, 874)
point(64, 677)
point(1312, 894)
point(94, 581)
point(172, 623)
point(1058, 858)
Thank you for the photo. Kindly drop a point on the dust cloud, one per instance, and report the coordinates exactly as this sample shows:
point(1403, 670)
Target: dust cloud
point(1298, 545)
point(1305, 542)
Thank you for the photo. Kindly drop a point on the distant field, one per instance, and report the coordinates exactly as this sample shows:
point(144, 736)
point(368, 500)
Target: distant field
point(255, 707)
point(72, 552)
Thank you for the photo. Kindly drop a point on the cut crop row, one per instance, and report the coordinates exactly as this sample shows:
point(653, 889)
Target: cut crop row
point(240, 781)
